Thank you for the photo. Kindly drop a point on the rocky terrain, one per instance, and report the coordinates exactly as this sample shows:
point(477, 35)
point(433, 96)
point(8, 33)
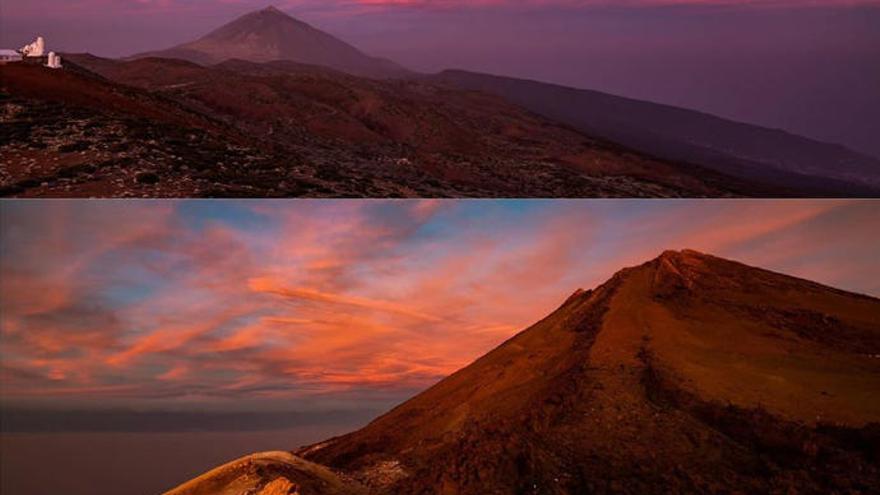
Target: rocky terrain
point(270, 473)
point(770, 156)
point(687, 374)
point(164, 128)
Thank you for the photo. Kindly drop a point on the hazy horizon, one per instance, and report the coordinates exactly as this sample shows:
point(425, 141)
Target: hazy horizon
point(110, 463)
point(805, 67)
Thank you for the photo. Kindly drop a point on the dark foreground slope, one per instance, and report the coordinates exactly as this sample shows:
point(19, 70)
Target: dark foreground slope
point(73, 134)
point(734, 148)
point(688, 374)
point(160, 127)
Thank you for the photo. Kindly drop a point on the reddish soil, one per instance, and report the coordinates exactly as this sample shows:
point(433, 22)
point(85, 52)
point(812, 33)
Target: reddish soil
point(688, 374)
point(287, 129)
point(71, 88)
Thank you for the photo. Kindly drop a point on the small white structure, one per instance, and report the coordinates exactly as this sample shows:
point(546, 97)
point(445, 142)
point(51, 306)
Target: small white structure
point(7, 56)
point(53, 61)
point(35, 49)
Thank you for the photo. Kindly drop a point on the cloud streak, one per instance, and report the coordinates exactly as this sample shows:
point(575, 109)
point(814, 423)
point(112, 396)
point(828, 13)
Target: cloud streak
point(261, 302)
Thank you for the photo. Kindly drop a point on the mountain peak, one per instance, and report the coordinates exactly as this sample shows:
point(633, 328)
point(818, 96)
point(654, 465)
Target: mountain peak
point(258, 21)
point(271, 11)
point(672, 254)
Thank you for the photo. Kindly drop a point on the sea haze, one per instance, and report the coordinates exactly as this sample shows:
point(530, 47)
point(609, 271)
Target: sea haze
point(147, 463)
point(113, 451)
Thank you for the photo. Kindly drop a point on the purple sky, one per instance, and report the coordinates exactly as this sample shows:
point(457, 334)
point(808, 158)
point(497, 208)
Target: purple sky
point(807, 66)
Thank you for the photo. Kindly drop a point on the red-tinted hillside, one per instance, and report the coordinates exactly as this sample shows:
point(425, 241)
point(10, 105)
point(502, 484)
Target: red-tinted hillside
point(682, 135)
point(287, 129)
point(688, 374)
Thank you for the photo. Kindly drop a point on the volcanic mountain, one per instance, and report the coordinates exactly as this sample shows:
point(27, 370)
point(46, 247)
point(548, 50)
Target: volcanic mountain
point(687, 374)
point(291, 111)
point(223, 116)
point(270, 34)
point(749, 152)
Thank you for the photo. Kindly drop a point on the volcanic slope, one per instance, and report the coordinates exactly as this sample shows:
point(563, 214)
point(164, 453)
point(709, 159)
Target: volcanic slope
point(269, 34)
point(71, 133)
point(287, 129)
point(687, 374)
point(735, 148)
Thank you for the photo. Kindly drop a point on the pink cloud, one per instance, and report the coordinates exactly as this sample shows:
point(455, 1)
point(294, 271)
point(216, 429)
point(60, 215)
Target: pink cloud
point(301, 293)
point(336, 297)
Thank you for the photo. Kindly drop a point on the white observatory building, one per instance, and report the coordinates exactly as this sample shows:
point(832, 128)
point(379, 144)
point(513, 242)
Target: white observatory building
point(35, 49)
point(53, 61)
point(7, 56)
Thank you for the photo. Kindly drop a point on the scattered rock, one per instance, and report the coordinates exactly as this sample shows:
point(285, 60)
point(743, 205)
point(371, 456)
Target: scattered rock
point(280, 486)
point(147, 178)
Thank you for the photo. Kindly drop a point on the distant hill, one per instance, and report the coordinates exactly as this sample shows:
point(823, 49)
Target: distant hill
point(270, 34)
point(738, 149)
point(687, 374)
